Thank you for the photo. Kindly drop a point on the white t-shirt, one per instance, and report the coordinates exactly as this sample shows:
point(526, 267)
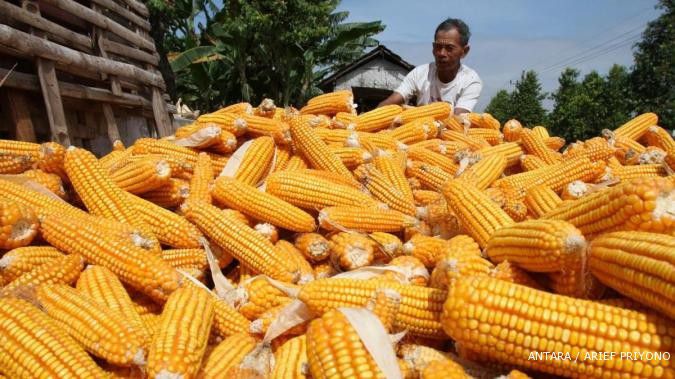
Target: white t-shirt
point(423, 82)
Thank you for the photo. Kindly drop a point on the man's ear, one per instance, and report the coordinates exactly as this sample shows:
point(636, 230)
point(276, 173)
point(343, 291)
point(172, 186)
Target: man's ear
point(466, 50)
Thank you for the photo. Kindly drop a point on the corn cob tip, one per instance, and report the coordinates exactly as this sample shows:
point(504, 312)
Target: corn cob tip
point(139, 357)
point(665, 206)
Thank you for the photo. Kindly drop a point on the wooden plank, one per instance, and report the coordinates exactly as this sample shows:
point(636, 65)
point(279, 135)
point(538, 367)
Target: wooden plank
point(75, 39)
point(128, 52)
point(19, 113)
point(129, 15)
point(102, 22)
point(111, 125)
point(164, 127)
point(28, 82)
point(138, 7)
point(31, 46)
point(53, 103)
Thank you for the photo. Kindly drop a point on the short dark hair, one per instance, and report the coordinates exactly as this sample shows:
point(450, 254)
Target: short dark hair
point(455, 23)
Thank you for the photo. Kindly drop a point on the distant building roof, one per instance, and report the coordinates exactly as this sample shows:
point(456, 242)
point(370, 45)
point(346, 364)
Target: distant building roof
point(380, 52)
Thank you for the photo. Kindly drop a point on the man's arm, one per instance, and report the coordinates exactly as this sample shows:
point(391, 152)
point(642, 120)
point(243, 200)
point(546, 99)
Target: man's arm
point(394, 98)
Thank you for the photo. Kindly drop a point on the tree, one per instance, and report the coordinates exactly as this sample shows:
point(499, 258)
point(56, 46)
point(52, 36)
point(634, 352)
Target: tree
point(617, 97)
point(653, 75)
point(281, 50)
point(500, 106)
point(526, 100)
point(564, 121)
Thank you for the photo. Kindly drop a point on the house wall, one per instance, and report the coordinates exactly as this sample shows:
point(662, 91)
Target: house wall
point(378, 73)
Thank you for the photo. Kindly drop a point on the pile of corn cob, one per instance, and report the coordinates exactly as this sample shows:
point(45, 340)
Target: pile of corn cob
point(402, 242)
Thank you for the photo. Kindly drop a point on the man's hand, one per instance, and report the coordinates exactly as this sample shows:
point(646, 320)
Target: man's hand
point(461, 110)
point(394, 98)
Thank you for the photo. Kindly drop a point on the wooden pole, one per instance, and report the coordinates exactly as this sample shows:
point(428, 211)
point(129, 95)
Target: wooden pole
point(102, 22)
point(53, 103)
point(111, 124)
point(128, 52)
point(164, 127)
point(31, 45)
point(129, 15)
point(18, 110)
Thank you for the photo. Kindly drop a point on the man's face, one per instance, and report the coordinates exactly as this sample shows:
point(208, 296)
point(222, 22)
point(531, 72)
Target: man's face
point(448, 49)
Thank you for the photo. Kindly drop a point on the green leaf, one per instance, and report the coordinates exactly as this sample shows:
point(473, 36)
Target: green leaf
point(188, 57)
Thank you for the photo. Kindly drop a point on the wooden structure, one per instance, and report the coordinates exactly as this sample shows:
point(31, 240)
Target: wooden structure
point(79, 73)
point(371, 78)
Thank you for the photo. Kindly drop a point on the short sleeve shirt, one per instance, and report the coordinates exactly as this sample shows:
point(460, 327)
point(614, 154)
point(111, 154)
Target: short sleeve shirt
point(423, 82)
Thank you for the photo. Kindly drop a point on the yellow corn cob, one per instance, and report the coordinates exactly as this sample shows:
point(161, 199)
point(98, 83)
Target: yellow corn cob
point(638, 265)
point(257, 161)
point(142, 175)
point(291, 359)
point(351, 156)
point(622, 142)
point(482, 121)
point(414, 183)
point(12, 163)
point(312, 192)
point(659, 137)
point(328, 358)
point(627, 173)
point(260, 296)
point(541, 132)
point(485, 171)
point(446, 368)
point(510, 273)
point(422, 228)
point(240, 241)
point(419, 357)
point(112, 160)
point(387, 245)
point(179, 167)
point(427, 249)
point(430, 176)
point(35, 347)
point(269, 231)
point(505, 322)
point(200, 183)
point(574, 190)
point(228, 321)
point(263, 126)
point(330, 103)
point(337, 137)
point(537, 245)
point(21, 260)
point(132, 264)
point(266, 108)
point(511, 150)
point(314, 150)
point(238, 108)
point(637, 127)
point(98, 192)
point(575, 282)
point(324, 270)
point(492, 136)
point(375, 141)
point(457, 264)
point(415, 272)
point(438, 110)
point(540, 200)
point(535, 145)
point(261, 205)
point(377, 119)
point(284, 154)
point(478, 215)
point(64, 269)
point(101, 285)
point(595, 149)
point(426, 197)
point(350, 251)
point(341, 120)
point(638, 204)
point(232, 122)
point(429, 157)
point(306, 270)
point(419, 311)
point(531, 162)
point(474, 143)
point(512, 130)
point(21, 148)
point(414, 131)
point(186, 258)
point(218, 163)
point(180, 341)
point(18, 224)
point(169, 196)
point(555, 143)
point(332, 177)
point(51, 156)
point(167, 148)
point(102, 331)
point(364, 219)
point(144, 305)
point(228, 354)
point(50, 181)
point(313, 246)
point(262, 324)
point(456, 123)
point(381, 188)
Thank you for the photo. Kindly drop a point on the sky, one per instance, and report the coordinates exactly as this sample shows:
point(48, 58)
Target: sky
point(508, 37)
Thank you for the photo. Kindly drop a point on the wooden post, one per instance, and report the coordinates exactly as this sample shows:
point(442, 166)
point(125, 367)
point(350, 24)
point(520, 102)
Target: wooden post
point(162, 119)
point(53, 103)
point(111, 124)
point(19, 113)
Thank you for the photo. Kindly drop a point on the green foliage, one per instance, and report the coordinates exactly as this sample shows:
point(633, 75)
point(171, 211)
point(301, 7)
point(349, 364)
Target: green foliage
point(653, 76)
point(500, 106)
point(526, 101)
point(249, 50)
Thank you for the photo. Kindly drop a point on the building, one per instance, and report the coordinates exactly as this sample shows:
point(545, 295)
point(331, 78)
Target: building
point(372, 78)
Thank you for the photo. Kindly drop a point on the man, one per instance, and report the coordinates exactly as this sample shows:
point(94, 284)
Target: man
point(446, 79)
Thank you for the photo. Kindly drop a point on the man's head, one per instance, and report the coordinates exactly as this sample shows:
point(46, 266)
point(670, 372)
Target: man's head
point(451, 43)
